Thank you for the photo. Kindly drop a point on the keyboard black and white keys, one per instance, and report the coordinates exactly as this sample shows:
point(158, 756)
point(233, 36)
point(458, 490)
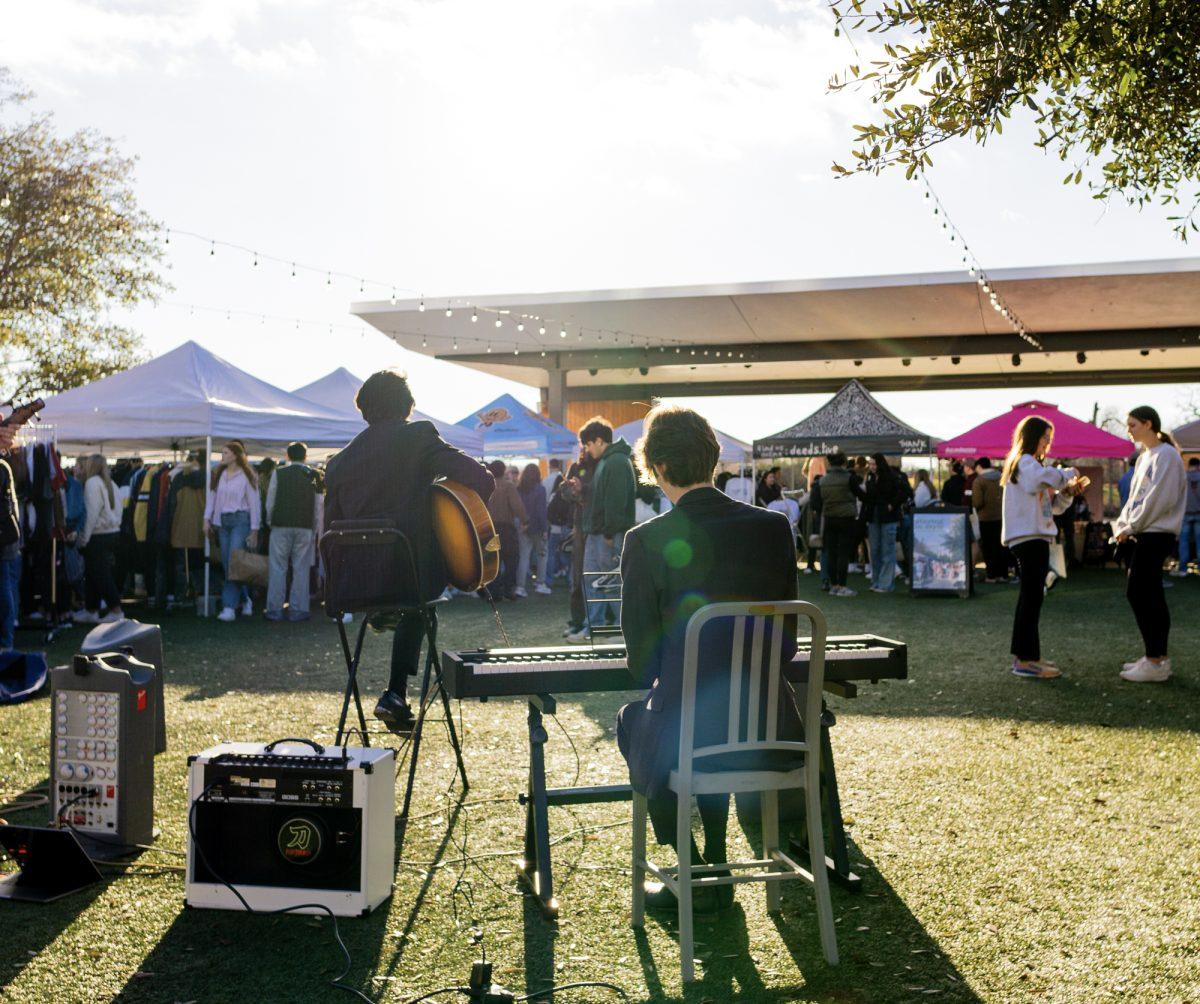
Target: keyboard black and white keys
point(518, 672)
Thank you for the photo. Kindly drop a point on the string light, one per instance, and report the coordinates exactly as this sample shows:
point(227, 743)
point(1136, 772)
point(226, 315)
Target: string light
point(499, 323)
point(474, 315)
point(449, 312)
point(976, 271)
point(541, 329)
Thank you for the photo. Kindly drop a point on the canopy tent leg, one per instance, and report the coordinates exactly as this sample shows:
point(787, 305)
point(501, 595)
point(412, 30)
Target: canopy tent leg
point(207, 537)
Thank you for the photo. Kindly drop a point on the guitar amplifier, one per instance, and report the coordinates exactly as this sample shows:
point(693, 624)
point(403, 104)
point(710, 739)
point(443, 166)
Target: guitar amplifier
point(291, 823)
point(102, 738)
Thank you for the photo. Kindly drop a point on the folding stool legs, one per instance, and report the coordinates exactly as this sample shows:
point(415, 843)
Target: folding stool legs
point(639, 858)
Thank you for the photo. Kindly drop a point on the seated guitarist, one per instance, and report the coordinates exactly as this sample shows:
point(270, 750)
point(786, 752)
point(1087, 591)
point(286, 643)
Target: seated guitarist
point(386, 473)
point(708, 548)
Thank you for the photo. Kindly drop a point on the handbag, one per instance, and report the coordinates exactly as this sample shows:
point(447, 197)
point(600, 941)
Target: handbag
point(1058, 559)
point(249, 568)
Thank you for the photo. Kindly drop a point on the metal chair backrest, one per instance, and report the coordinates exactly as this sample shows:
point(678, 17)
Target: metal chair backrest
point(761, 674)
point(370, 567)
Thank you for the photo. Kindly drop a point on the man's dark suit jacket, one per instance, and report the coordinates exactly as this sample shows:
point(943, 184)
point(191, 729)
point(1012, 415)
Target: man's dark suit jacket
point(385, 473)
point(708, 549)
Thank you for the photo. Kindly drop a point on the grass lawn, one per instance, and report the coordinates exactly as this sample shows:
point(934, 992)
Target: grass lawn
point(1018, 840)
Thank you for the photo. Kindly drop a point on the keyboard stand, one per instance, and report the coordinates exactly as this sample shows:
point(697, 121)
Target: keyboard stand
point(536, 867)
point(838, 862)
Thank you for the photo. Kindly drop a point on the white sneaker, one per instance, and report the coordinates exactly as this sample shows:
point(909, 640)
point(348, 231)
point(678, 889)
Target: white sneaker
point(580, 637)
point(520, 592)
point(1179, 573)
point(842, 591)
point(112, 617)
point(86, 617)
point(1146, 671)
point(543, 589)
point(247, 608)
point(347, 618)
point(227, 614)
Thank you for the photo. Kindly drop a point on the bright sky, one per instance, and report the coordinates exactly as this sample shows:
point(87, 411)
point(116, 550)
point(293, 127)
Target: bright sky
point(466, 146)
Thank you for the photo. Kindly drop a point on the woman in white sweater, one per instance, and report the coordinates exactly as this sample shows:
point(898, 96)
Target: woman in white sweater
point(1033, 494)
point(1151, 518)
point(98, 540)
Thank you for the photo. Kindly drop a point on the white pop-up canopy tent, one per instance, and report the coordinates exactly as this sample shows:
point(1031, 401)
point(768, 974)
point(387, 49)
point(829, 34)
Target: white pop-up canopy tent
point(188, 397)
point(337, 391)
point(185, 397)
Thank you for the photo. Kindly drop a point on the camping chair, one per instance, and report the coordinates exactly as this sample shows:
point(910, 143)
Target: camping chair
point(691, 778)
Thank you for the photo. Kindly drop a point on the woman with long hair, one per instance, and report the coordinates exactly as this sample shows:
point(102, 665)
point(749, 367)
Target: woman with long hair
point(923, 493)
point(768, 489)
point(234, 508)
point(533, 532)
point(1033, 493)
point(883, 500)
point(98, 541)
point(1151, 519)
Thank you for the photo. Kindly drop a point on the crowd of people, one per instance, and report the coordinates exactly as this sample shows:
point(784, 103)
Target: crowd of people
point(139, 529)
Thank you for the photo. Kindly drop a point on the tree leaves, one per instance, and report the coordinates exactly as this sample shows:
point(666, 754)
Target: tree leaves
point(73, 243)
point(1119, 80)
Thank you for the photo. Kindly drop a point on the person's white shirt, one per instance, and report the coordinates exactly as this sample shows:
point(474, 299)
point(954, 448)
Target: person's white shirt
point(1158, 495)
point(923, 495)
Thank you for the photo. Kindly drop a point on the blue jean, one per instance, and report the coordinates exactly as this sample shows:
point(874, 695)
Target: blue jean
point(233, 531)
point(882, 540)
point(1189, 540)
point(10, 581)
point(601, 556)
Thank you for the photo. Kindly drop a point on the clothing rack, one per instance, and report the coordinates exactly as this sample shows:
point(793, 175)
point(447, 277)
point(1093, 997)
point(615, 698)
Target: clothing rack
point(45, 434)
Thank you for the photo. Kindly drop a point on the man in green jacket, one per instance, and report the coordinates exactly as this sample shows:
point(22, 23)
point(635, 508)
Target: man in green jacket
point(608, 512)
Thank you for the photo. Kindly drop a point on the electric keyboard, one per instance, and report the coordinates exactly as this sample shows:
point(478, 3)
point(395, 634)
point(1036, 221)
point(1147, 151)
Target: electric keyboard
point(519, 672)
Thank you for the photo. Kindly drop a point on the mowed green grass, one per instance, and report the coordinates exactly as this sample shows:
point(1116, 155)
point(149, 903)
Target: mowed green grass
point(1018, 840)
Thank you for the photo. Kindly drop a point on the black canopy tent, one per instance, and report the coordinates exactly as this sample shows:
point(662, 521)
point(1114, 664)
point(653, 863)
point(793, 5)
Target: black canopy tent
point(853, 422)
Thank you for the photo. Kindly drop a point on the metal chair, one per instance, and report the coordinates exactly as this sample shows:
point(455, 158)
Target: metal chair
point(764, 673)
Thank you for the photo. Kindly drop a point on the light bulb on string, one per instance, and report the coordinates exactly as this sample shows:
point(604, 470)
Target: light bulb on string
point(449, 312)
point(520, 325)
point(499, 323)
point(474, 315)
point(328, 278)
point(563, 332)
point(293, 270)
point(212, 249)
point(255, 259)
point(489, 348)
point(424, 342)
point(455, 346)
point(541, 329)
point(421, 306)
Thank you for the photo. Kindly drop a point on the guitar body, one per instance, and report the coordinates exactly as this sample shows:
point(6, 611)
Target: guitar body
point(469, 543)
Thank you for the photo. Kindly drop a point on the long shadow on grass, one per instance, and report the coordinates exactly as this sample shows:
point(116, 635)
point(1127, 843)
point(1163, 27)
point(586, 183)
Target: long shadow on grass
point(885, 952)
point(228, 955)
point(33, 927)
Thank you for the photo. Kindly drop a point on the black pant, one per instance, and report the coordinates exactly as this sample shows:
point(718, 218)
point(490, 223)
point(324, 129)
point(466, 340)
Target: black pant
point(840, 540)
point(510, 554)
point(994, 559)
point(406, 648)
point(164, 573)
point(98, 559)
point(1144, 590)
point(1033, 562)
point(578, 606)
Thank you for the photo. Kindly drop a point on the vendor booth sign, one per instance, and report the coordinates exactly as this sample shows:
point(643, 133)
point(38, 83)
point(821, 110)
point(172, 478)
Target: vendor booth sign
point(941, 563)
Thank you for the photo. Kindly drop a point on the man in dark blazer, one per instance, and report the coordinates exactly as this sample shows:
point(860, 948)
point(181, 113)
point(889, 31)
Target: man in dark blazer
point(708, 548)
point(385, 473)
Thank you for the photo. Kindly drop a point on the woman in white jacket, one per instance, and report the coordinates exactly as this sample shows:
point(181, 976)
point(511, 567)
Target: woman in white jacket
point(98, 540)
point(1033, 494)
point(1152, 518)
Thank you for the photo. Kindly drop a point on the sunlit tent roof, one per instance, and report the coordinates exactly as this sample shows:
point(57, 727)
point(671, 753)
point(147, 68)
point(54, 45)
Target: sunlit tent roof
point(1188, 437)
point(852, 422)
point(337, 391)
point(733, 450)
point(177, 399)
point(1072, 436)
point(510, 429)
point(1114, 322)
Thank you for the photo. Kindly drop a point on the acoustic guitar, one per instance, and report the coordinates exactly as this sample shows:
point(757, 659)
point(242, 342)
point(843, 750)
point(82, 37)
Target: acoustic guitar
point(468, 540)
point(21, 414)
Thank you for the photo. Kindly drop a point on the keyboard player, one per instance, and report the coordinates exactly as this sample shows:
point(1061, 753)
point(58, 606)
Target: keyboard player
point(708, 548)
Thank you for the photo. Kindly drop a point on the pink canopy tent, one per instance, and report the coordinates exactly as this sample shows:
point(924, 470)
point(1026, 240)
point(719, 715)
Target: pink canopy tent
point(1072, 437)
